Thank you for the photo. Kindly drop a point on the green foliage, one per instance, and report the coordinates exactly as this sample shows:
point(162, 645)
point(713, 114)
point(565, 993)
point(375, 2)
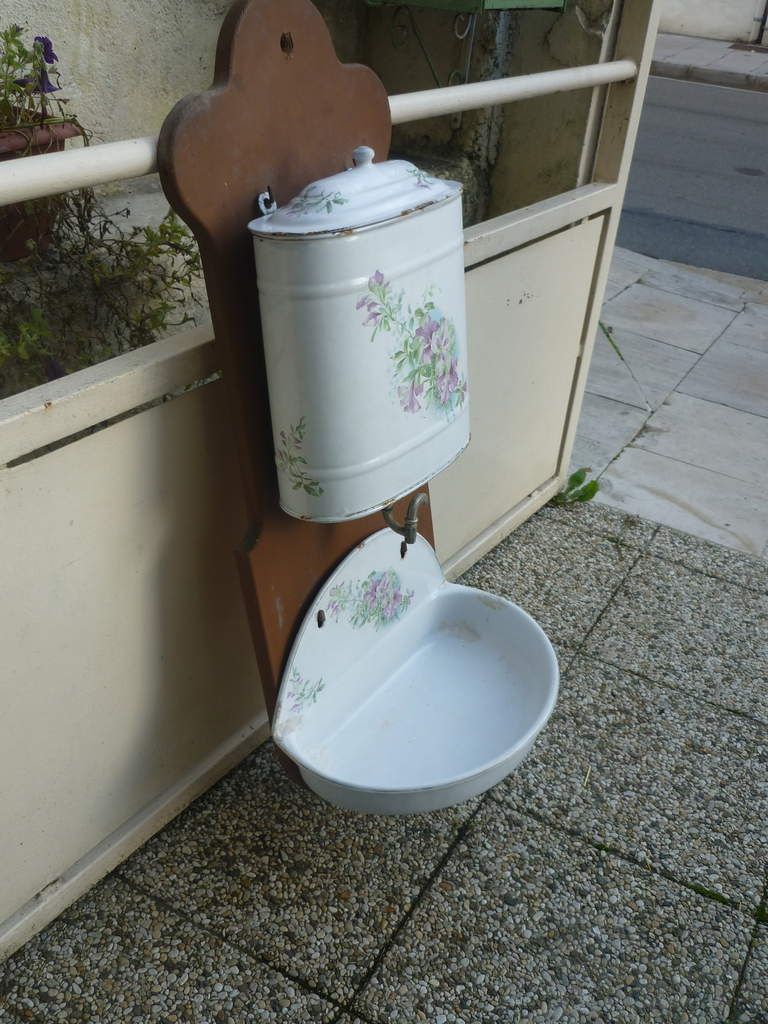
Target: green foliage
point(98, 289)
point(577, 489)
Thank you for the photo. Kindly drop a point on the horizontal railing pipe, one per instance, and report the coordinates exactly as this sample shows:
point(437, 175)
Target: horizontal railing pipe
point(52, 173)
point(414, 106)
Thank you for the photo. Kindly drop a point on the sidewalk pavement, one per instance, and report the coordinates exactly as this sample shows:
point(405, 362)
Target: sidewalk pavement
point(713, 61)
point(676, 426)
point(619, 875)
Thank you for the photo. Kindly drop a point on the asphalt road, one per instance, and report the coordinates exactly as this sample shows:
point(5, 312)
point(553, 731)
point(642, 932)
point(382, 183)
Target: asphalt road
point(698, 187)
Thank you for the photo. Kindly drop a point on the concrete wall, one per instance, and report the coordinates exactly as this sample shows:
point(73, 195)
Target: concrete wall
point(126, 64)
point(712, 19)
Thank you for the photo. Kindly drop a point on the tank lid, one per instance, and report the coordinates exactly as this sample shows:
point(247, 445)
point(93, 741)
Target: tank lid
point(364, 195)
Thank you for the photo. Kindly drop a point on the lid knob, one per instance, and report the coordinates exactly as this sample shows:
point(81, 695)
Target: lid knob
point(362, 156)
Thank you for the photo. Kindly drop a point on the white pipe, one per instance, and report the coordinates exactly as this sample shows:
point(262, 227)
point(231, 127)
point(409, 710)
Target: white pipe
point(414, 106)
point(52, 173)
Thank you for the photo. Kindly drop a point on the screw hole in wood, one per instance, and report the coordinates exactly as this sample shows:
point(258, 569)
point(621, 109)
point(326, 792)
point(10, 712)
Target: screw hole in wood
point(286, 43)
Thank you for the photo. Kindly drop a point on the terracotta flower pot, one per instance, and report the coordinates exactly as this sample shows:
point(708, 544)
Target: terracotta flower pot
point(21, 223)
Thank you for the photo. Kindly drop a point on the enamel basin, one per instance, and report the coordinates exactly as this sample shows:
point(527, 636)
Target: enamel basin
point(407, 693)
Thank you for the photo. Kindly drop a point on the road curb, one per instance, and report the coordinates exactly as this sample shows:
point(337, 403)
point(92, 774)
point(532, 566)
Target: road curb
point(710, 76)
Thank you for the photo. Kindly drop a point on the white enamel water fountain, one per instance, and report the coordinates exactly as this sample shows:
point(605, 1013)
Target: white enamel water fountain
point(402, 692)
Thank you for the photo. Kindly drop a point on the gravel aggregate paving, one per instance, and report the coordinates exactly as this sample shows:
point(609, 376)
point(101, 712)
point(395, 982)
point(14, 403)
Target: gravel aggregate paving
point(116, 956)
point(313, 890)
point(678, 626)
point(712, 559)
point(656, 774)
point(561, 575)
point(752, 1004)
point(525, 923)
point(611, 523)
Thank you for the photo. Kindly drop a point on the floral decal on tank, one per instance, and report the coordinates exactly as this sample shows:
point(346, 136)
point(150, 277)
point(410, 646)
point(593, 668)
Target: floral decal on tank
point(425, 362)
point(423, 180)
point(301, 692)
point(290, 460)
point(379, 599)
point(316, 200)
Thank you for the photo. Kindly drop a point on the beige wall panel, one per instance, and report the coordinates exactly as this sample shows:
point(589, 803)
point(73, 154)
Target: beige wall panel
point(526, 314)
point(126, 657)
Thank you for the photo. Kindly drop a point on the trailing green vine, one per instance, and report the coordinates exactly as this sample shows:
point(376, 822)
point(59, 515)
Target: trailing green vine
point(98, 289)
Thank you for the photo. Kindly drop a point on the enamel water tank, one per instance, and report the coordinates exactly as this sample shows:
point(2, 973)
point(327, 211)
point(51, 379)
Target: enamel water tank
point(361, 288)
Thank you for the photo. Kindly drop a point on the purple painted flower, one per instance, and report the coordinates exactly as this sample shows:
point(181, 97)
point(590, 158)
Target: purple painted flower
point(426, 333)
point(47, 47)
point(447, 382)
point(374, 315)
point(443, 343)
point(362, 302)
point(409, 396)
point(376, 279)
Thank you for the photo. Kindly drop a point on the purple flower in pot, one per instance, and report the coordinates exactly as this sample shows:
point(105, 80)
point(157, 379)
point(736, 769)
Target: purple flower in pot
point(41, 82)
point(47, 47)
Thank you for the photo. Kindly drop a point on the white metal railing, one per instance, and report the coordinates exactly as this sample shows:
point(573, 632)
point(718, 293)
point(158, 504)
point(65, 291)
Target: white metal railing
point(52, 173)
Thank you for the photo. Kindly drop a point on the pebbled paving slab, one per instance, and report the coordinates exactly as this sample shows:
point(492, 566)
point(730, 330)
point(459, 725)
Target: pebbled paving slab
point(677, 785)
point(116, 956)
point(562, 576)
point(525, 923)
point(712, 559)
point(312, 890)
point(680, 627)
point(613, 524)
point(752, 1003)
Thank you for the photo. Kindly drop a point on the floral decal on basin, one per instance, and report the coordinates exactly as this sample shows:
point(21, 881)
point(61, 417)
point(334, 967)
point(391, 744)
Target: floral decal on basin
point(302, 692)
point(426, 360)
point(290, 460)
point(378, 599)
point(315, 200)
